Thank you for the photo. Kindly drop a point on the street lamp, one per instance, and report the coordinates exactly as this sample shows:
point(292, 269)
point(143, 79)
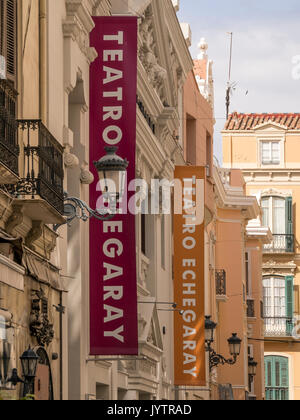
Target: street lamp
point(252, 366)
point(234, 345)
point(215, 359)
point(111, 170)
point(29, 361)
point(210, 327)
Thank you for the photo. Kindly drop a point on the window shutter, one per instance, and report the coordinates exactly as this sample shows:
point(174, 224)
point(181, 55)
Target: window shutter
point(2, 27)
point(284, 372)
point(8, 39)
point(289, 296)
point(11, 22)
point(289, 224)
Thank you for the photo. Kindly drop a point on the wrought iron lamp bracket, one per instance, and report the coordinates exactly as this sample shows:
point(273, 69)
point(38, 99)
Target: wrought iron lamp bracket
point(74, 208)
point(216, 360)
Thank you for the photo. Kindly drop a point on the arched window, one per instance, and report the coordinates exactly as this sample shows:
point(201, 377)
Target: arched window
point(277, 378)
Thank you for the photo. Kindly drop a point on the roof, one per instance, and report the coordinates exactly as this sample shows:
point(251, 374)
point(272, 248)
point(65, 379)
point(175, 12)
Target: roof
point(246, 122)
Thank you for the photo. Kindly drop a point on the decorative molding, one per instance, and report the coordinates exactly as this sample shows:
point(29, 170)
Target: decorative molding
point(16, 219)
point(274, 192)
point(77, 25)
point(148, 54)
point(34, 234)
point(40, 326)
point(86, 176)
point(71, 161)
point(272, 267)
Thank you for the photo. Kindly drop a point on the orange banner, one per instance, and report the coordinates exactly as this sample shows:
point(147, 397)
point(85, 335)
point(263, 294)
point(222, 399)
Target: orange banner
point(189, 340)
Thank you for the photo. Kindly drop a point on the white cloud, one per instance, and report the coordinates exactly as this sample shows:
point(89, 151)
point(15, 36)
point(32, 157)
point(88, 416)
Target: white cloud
point(262, 64)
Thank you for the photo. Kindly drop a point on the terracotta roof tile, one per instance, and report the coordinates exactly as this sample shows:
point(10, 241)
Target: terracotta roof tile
point(246, 122)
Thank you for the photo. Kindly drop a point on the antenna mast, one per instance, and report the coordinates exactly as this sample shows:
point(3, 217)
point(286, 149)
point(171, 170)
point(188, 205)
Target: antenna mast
point(229, 86)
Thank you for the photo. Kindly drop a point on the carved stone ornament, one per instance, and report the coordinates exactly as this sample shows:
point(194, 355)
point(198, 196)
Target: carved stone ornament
point(34, 234)
point(71, 160)
point(86, 176)
point(149, 56)
point(40, 326)
point(15, 219)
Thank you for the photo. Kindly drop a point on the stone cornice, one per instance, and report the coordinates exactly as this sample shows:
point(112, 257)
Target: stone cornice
point(234, 198)
point(78, 25)
point(254, 230)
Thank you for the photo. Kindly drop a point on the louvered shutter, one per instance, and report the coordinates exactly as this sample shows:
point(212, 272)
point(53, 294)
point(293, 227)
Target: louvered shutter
point(8, 40)
point(289, 295)
point(289, 224)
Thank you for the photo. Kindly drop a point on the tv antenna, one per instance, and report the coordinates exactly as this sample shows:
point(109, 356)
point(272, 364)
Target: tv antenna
point(231, 86)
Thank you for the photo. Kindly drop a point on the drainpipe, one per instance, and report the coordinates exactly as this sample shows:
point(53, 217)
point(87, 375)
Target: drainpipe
point(43, 60)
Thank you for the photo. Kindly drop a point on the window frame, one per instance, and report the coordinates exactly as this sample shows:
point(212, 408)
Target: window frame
point(274, 359)
point(271, 211)
point(271, 164)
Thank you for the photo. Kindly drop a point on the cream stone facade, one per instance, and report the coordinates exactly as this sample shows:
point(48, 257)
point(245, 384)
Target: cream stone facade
point(265, 147)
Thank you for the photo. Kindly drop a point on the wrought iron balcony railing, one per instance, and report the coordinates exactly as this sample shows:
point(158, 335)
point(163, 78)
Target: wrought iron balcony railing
point(9, 149)
point(220, 282)
point(43, 165)
point(250, 308)
point(281, 244)
point(278, 326)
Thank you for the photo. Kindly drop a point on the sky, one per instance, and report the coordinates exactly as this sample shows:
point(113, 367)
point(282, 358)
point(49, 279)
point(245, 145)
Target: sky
point(266, 50)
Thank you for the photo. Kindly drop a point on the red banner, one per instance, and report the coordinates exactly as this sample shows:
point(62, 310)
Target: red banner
point(113, 287)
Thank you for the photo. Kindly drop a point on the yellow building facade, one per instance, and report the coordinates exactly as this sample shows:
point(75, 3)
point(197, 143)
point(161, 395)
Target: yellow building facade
point(265, 147)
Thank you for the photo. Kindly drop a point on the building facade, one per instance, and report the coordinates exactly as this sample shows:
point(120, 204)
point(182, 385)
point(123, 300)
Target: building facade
point(265, 147)
point(44, 263)
point(32, 185)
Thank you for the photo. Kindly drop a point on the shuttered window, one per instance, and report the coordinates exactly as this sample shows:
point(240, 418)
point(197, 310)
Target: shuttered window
point(277, 378)
point(8, 40)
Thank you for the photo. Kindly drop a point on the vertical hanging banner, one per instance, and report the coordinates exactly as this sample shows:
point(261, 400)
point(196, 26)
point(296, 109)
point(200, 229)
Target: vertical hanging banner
point(189, 338)
point(113, 287)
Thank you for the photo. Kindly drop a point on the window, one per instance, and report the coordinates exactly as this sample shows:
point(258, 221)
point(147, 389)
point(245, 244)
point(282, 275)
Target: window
point(277, 378)
point(191, 148)
point(270, 152)
point(278, 216)
point(8, 38)
point(248, 278)
point(208, 155)
point(278, 305)
point(274, 214)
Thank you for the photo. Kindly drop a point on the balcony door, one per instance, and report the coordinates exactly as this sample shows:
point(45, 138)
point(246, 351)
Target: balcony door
point(277, 378)
point(278, 306)
point(278, 216)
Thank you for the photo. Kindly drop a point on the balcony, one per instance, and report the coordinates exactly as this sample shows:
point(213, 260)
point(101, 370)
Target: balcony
point(40, 189)
point(9, 149)
point(278, 326)
point(221, 285)
point(281, 244)
point(250, 308)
